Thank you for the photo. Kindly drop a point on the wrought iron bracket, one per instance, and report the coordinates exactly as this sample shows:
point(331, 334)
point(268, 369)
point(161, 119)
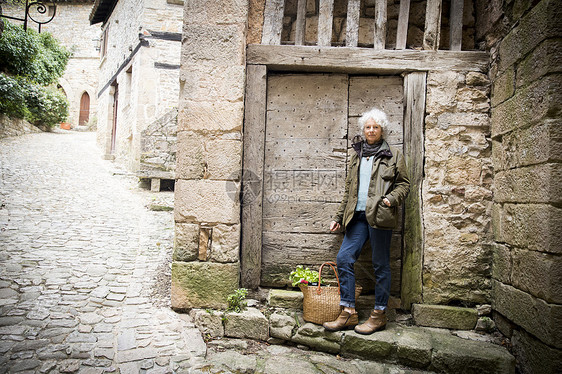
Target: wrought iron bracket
point(39, 6)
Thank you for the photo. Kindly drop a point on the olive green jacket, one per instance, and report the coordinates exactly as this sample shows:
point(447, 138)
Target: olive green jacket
point(389, 178)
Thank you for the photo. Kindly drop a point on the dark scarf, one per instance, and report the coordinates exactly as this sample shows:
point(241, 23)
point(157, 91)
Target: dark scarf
point(368, 150)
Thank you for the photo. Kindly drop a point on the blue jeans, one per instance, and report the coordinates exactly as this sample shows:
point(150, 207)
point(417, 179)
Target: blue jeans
point(357, 233)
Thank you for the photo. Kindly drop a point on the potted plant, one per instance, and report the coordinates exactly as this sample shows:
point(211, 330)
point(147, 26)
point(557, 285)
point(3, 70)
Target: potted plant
point(303, 276)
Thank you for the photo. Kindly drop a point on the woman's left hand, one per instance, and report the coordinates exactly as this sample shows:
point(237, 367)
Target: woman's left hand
point(386, 201)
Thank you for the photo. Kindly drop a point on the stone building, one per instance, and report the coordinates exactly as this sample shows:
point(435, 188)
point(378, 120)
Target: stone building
point(70, 26)
point(270, 95)
point(139, 83)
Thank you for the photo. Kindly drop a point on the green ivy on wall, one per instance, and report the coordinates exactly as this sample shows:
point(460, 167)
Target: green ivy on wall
point(30, 65)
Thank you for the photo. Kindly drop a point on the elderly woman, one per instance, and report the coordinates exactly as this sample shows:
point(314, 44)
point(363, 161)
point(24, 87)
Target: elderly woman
point(377, 183)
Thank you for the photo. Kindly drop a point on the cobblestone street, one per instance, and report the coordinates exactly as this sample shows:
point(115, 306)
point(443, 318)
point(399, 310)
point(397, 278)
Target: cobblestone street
point(84, 264)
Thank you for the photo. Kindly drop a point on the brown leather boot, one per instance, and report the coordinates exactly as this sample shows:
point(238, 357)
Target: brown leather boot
point(345, 320)
point(376, 322)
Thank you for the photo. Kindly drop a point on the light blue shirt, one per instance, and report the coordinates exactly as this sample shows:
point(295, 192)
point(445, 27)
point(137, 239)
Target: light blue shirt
point(365, 169)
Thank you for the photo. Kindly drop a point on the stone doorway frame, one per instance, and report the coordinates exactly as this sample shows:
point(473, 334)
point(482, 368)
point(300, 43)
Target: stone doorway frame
point(413, 66)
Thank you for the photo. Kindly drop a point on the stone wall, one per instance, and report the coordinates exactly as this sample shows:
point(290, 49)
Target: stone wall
point(142, 61)
point(524, 40)
point(72, 28)
point(205, 265)
point(367, 23)
point(158, 147)
point(457, 189)
point(15, 127)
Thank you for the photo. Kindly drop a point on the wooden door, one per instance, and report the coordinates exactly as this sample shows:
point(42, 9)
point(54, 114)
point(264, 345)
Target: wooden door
point(310, 121)
point(84, 109)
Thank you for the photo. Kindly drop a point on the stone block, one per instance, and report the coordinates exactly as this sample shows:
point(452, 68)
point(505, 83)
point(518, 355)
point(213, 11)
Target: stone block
point(219, 116)
point(539, 274)
point(213, 44)
point(541, 23)
point(529, 146)
point(503, 325)
point(473, 99)
point(477, 79)
point(535, 226)
point(285, 299)
point(503, 87)
point(485, 324)
point(378, 346)
point(529, 105)
point(501, 263)
point(545, 59)
point(465, 119)
point(531, 184)
point(442, 91)
point(207, 201)
point(534, 315)
point(202, 284)
point(210, 83)
point(250, 323)
point(445, 316)
point(316, 337)
point(209, 322)
point(190, 163)
point(281, 326)
point(452, 354)
point(463, 170)
point(225, 245)
point(224, 159)
point(414, 348)
point(186, 242)
point(534, 356)
point(215, 12)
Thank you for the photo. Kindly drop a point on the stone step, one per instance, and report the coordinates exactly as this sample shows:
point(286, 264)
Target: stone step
point(418, 347)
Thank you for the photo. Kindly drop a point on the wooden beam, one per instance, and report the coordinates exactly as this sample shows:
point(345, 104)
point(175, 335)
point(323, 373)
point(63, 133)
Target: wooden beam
point(363, 60)
point(412, 254)
point(300, 23)
point(273, 22)
point(432, 25)
point(402, 30)
point(252, 175)
point(380, 24)
point(455, 25)
point(352, 28)
point(325, 19)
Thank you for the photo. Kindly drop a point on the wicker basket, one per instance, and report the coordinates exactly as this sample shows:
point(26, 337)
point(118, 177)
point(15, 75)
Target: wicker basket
point(322, 304)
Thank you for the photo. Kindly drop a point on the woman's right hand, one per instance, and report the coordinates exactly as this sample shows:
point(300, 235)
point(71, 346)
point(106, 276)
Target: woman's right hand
point(334, 226)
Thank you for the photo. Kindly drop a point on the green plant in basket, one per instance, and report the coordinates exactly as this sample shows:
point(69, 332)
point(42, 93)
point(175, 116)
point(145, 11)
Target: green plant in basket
point(302, 275)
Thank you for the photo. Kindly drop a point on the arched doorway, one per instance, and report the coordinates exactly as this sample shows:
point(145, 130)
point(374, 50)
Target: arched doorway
point(84, 109)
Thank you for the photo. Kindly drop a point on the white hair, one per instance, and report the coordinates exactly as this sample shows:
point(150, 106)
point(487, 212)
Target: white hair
point(376, 114)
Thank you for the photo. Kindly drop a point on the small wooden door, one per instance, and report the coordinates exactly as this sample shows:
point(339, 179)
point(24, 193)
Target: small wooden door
point(84, 109)
point(310, 122)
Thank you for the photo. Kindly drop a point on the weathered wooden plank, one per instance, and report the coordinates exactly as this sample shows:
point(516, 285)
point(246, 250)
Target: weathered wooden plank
point(325, 20)
point(300, 22)
point(305, 154)
point(385, 93)
point(254, 139)
point(299, 216)
point(307, 93)
point(273, 22)
point(432, 25)
point(380, 25)
point(352, 27)
point(414, 88)
point(364, 60)
point(303, 217)
point(283, 251)
point(455, 25)
point(402, 30)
